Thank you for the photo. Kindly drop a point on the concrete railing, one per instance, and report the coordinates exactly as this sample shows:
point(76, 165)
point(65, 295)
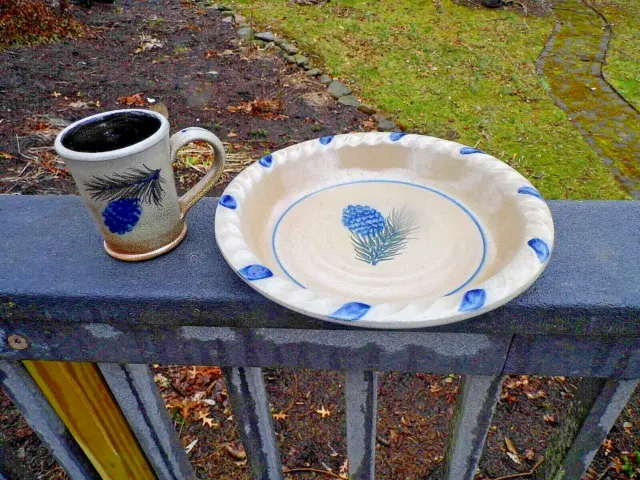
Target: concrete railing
point(62, 298)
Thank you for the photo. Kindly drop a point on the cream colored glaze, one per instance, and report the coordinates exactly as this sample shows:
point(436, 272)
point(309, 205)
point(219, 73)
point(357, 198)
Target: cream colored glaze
point(160, 227)
point(442, 254)
point(414, 288)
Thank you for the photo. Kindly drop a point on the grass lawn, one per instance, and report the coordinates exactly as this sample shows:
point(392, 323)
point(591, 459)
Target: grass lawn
point(449, 71)
point(623, 59)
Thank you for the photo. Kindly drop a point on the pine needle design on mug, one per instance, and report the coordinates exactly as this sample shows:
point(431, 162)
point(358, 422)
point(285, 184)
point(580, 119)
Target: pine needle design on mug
point(126, 192)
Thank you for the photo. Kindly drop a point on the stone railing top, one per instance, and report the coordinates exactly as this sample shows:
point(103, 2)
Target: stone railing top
point(53, 268)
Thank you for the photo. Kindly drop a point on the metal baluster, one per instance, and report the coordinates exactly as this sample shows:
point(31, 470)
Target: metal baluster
point(596, 407)
point(135, 391)
point(362, 402)
point(251, 410)
point(476, 403)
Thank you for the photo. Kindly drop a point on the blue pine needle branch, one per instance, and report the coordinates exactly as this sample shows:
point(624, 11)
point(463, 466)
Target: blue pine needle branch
point(144, 184)
point(385, 244)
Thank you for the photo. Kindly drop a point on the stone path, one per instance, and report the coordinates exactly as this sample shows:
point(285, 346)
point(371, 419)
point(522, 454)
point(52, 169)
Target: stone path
point(572, 63)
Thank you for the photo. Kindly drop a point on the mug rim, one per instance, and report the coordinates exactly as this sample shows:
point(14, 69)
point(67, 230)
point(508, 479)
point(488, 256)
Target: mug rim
point(138, 147)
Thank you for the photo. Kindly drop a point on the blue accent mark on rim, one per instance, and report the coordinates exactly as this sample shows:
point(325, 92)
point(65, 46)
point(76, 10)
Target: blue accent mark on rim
point(540, 247)
point(351, 311)
point(526, 190)
point(228, 201)
point(473, 300)
point(255, 272)
point(395, 136)
point(429, 189)
point(266, 161)
point(326, 140)
point(184, 130)
point(469, 150)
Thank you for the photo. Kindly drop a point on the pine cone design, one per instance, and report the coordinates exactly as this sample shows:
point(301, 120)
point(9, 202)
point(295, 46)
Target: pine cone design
point(363, 220)
point(375, 238)
point(120, 216)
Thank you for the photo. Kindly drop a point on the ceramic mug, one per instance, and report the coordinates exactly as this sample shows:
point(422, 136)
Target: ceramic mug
point(122, 163)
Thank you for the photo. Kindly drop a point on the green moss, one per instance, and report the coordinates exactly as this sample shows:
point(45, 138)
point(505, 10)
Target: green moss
point(463, 74)
point(623, 60)
point(574, 83)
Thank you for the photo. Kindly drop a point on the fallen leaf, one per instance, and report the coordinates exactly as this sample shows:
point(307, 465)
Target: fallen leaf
point(198, 396)
point(78, 104)
point(210, 423)
point(160, 108)
point(511, 399)
point(151, 100)
point(148, 43)
point(324, 412)
point(269, 109)
point(550, 419)
point(231, 134)
point(393, 436)
point(510, 446)
point(189, 447)
point(206, 420)
point(369, 124)
point(237, 453)
point(434, 388)
point(530, 454)
point(514, 458)
point(591, 474)
point(535, 395)
point(280, 416)
point(344, 468)
point(135, 100)
point(56, 94)
point(161, 380)
point(608, 446)
point(627, 425)
point(211, 54)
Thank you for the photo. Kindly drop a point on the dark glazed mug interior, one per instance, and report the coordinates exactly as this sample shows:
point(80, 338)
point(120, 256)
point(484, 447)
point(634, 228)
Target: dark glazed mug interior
point(111, 132)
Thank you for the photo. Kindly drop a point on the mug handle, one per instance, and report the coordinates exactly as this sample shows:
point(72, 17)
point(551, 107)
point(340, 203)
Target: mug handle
point(200, 189)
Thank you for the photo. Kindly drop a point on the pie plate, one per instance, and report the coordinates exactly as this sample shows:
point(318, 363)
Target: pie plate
point(384, 230)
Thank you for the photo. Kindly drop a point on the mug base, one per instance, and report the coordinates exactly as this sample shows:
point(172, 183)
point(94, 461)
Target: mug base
point(138, 257)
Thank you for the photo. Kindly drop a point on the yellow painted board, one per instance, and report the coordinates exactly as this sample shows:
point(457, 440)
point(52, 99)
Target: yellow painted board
point(81, 397)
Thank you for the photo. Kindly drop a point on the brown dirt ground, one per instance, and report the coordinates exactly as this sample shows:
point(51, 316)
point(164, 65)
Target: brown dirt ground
point(42, 88)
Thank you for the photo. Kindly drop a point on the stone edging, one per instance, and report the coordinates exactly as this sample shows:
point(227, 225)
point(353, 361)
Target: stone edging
point(606, 40)
point(614, 139)
point(339, 91)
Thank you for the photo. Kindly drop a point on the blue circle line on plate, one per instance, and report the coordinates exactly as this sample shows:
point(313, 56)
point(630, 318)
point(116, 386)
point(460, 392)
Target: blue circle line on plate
point(399, 182)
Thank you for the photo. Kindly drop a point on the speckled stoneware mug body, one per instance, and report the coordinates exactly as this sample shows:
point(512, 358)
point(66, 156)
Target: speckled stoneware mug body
point(121, 162)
